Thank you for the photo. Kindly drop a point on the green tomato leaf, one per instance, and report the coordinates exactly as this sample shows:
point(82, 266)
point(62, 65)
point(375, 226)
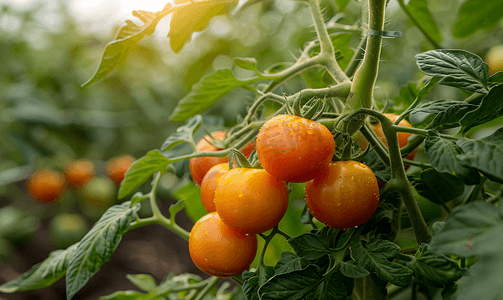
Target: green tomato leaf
point(43, 274)
point(434, 269)
point(374, 257)
point(439, 187)
point(421, 14)
point(475, 229)
point(442, 154)
point(490, 108)
point(145, 282)
point(310, 246)
point(137, 198)
point(457, 68)
point(188, 191)
point(183, 133)
point(128, 36)
point(289, 262)
point(352, 270)
point(485, 155)
point(496, 78)
point(247, 63)
point(125, 295)
point(206, 93)
point(406, 96)
point(437, 106)
point(452, 115)
point(98, 245)
point(310, 283)
point(475, 15)
point(141, 170)
point(253, 280)
point(341, 4)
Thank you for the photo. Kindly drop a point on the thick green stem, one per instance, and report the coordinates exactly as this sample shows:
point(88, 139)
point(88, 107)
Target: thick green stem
point(362, 90)
point(356, 59)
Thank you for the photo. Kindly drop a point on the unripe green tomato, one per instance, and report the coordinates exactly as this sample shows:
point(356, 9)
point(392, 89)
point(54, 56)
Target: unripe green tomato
point(99, 192)
point(67, 229)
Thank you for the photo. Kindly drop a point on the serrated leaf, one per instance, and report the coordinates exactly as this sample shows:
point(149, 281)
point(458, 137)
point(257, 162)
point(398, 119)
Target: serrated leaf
point(475, 15)
point(145, 282)
point(183, 133)
point(310, 246)
point(206, 93)
point(475, 229)
point(439, 187)
point(485, 155)
point(141, 170)
point(43, 274)
point(442, 155)
point(341, 4)
point(421, 14)
point(247, 63)
point(496, 78)
point(451, 116)
point(253, 280)
point(437, 106)
point(374, 257)
point(124, 295)
point(98, 245)
point(289, 262)
point(191, 17)
point(434, 269)
point(128, 36)
point(309, 283)
point(457, 68)
point(353, 270)
point(490, 108)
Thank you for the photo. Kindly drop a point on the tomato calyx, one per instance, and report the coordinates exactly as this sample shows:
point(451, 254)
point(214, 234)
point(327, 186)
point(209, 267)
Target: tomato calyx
point(313, 109)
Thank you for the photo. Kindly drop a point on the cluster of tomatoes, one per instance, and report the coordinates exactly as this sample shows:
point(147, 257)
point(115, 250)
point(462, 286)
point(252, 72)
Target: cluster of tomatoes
point(243, 202)
point(46, 185)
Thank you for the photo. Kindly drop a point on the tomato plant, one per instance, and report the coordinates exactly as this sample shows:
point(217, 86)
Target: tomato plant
point(46, 185)
point(251, 200)
point(209, 185)
point(261, 73)
point(294, 149)
point(79, 172)
point(219, 250)
point(345, 194)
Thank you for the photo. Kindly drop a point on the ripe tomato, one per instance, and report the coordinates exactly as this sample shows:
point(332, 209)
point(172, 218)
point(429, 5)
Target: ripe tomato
point(118, 166)
point(209, 184)
point(219, 250)
point(199, 166)
point(294, 149)
point(79, 172)
point(46, 185)
point(251, 200)
point(345, 194)
point(402, 136)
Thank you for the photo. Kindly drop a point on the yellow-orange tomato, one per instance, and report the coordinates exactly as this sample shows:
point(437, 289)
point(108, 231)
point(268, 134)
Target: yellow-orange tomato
point(219, 250)
point(199, 166)
point(251, 200)
point(46, 185)
point(118, 166)
point(345, 194)
point(79, 172)
point(209, 185)
point(402, 136)
point(294, 149)
point(494, 58)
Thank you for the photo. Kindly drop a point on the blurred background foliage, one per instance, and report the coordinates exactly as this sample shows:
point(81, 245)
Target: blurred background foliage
point(47, 120)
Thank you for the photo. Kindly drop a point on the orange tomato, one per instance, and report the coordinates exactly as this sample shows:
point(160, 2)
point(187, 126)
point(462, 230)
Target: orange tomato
point(118, 166)
point(345, 194)
point(209, 185)
point(199, 166)
point(219, 250)
point(46, 185)
point(251, 200)
point(79, 172)
point(294, 149)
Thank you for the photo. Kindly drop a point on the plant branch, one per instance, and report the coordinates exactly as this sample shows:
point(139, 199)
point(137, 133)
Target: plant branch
point(415, 21)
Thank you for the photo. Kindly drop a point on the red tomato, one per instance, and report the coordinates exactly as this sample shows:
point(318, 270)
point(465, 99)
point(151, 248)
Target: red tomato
point(209, 185)
point(199, 166)
point(251, 200)
point(79, 172)
point(46, 185)
point(294, 149)
point(345, 194)
point(219, 250)
point(118, 166)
